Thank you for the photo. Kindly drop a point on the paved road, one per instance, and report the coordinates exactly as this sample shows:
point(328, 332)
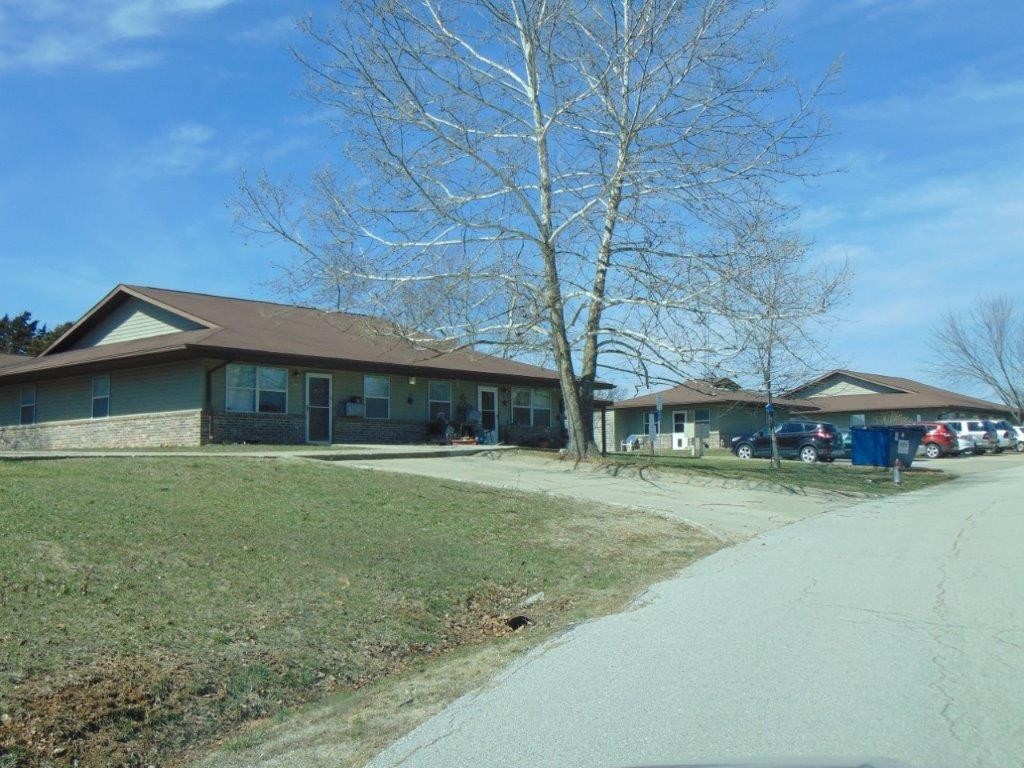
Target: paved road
point(746, 510)
point(892, 628)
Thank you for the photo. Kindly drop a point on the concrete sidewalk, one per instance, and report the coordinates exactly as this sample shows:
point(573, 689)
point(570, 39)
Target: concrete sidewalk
point(728, 509)
point(337, 452)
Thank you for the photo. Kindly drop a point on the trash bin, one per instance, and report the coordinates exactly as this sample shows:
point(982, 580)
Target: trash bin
point(881, 446)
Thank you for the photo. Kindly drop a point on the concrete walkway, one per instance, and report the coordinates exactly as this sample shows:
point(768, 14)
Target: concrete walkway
point(741, 511)
point(892, 628)
point(337, 452)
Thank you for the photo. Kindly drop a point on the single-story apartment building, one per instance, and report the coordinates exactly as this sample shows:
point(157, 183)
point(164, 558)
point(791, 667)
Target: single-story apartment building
point(716, 410)
point(712, 410)
point(853, 399)
point(149, 367)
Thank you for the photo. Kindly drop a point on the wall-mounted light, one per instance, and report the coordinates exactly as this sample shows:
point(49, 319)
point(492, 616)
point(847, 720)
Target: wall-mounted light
point(412, 380)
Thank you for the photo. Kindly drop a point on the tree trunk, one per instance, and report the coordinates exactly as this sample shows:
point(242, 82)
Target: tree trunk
point(770, 398)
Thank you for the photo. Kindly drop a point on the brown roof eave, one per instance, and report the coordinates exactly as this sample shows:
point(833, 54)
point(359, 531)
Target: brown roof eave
point(732, 402)
point(31, 373)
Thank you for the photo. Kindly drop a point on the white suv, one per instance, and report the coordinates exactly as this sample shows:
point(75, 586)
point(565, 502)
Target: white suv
point(1005, 434)
point(984, 439)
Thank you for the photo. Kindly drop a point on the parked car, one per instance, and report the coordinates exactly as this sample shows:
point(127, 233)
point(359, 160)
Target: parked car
point(809, 441)
point(940, 439)
point(984, 438)
point(966, 443)
point(1006, 435)
point(1020, 438)
point(1000, 440)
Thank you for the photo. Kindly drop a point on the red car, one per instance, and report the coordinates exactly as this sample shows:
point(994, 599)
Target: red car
point(939, 440)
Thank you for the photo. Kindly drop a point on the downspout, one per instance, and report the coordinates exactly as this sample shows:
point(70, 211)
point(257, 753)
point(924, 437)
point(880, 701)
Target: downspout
point(209, 399)
point(604, 431)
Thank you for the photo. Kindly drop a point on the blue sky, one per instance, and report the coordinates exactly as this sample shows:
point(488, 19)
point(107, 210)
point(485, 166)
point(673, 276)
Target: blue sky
point(124, 126)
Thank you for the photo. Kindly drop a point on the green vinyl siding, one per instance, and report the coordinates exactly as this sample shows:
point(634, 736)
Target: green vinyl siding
point(64, 399)
point(134, 319)
point(172, 387)
point(154, 389)
point(10, 405)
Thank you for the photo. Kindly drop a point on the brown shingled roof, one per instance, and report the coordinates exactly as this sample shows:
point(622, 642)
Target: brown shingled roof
point(699, 392)
point(911, 395)
point(7, 361)
point(260, 330)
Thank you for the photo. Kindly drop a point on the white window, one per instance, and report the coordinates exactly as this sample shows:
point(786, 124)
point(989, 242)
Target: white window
point(439, 400)
point(541, 408)
point(522, 407)
point(28, 404)
point(678, 421)
point(647, 420)
point(100, 397)
point(255, 389)
point(377, 397)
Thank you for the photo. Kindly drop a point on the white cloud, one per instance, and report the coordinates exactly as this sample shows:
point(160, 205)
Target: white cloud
point(267, 31)
point(146, 18)
point(109, 35)
point(184, 149)
point(923, 101)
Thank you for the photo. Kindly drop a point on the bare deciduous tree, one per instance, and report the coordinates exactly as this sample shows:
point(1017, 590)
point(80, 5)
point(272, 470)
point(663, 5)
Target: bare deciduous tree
point(779, 313)
point(984, 347)
point(548, 178)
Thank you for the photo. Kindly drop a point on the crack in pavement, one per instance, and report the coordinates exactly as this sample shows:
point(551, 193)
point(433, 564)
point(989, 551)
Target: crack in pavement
point(946, 668)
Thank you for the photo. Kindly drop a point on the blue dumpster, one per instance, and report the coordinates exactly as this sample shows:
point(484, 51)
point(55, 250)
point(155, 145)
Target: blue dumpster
point(881, 446)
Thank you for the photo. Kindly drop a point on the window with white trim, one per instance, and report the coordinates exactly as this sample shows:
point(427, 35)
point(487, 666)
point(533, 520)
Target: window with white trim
point(646, 420)
point(376, 397)
point(541, 408)
point(28, 404)
point(100, 396)
point(439, 400)
point(678, 421)
point(256, 389)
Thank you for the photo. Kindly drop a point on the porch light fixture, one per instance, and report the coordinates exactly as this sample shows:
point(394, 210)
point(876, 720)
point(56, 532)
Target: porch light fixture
point(412, 380)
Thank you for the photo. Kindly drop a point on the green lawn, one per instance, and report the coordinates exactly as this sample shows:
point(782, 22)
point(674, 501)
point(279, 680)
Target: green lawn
point(150, 606)
point(834, 477)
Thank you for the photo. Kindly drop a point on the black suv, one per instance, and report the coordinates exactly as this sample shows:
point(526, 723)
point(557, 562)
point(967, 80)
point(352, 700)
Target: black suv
point(807, 440)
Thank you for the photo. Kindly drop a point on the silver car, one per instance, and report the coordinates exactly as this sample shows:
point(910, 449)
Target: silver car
point(984, 439)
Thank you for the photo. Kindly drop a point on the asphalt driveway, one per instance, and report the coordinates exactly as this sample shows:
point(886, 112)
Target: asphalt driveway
point(890, 628)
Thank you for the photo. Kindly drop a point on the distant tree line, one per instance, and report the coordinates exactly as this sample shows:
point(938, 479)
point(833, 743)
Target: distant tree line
point(21, 335)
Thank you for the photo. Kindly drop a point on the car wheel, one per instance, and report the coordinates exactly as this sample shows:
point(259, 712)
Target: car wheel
point(1020, 447)
point(808, 454)
point(745, 451)
point(932, 450)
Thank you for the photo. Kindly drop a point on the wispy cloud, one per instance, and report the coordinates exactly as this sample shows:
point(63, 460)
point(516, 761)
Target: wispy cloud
point(111, 35)
point(920, 100)
point(812, 13)
point(268, 31)
point(182, 150)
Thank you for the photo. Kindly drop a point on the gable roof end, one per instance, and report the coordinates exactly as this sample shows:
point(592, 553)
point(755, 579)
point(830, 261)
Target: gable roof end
point(106, 305)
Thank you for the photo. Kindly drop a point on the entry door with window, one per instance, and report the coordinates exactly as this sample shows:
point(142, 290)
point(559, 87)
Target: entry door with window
point(318, 408)
point(488, 407)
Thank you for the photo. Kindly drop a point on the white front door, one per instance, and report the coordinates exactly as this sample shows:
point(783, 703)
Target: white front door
point(487, 404)
point(318, 408)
